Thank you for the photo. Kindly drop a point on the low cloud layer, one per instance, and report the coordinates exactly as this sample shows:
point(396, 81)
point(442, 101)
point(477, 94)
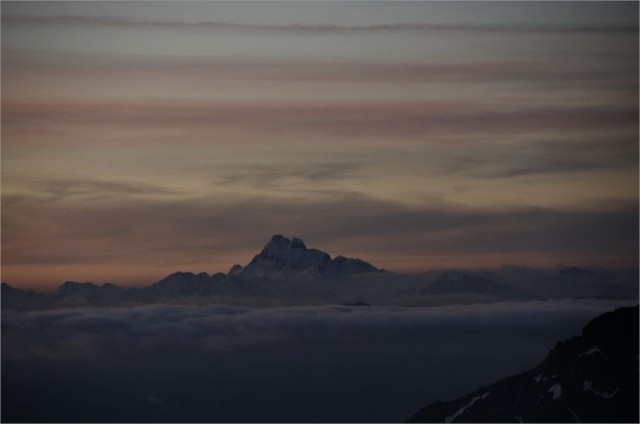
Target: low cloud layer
point(219, 328)
point(223, 363)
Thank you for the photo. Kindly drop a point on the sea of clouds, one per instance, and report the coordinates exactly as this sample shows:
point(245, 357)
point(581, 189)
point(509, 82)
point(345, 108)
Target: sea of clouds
point(307, 363)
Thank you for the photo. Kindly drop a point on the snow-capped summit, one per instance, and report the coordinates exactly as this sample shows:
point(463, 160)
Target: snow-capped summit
point(290, 259)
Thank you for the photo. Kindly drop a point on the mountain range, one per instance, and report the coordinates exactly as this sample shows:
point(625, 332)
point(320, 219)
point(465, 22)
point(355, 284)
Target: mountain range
point(460, 283)
point(285, 268)
point(592, 377)
point(287, 272)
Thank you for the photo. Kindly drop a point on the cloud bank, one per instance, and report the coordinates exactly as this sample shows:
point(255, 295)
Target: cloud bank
point(221, 363)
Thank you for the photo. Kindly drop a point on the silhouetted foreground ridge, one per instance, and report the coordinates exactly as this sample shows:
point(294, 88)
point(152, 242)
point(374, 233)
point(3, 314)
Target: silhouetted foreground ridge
point(588, 378)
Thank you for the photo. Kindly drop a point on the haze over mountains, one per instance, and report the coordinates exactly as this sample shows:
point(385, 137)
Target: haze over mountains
point(287, 272)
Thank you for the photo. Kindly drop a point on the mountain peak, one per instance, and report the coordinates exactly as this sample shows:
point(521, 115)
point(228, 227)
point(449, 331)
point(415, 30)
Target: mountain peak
point(235, 268)
point(279, 242)
point(286, 259)
point(297, 243)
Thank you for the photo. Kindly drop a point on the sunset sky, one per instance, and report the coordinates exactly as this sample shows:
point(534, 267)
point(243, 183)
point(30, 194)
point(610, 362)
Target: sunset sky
point(142, 138)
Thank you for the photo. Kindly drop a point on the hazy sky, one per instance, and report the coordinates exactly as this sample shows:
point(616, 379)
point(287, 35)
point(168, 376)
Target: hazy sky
point(141, 138)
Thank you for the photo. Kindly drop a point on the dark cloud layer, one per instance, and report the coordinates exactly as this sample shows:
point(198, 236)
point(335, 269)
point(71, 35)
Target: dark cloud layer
point(272, 175)
point(555, 157)
point(220, 363)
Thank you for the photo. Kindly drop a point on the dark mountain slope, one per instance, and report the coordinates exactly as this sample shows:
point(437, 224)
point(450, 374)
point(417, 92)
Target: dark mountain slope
point(17, 299)
point(588, 378)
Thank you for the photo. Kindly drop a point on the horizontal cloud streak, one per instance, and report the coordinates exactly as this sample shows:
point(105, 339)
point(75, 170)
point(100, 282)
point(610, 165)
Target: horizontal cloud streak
point(528, 70)
point(539, 158)
point(263, 175)
point(319, 28)
point(428, 118)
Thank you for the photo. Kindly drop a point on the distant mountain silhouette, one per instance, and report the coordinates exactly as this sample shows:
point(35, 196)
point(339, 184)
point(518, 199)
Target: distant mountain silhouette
point(588, 378)
point(287, 272)
point(72, 294)
point(577, 282)
point(283, 269)
point(13, 298)
point(285, 260)
point(466, 283)
point(186, 283)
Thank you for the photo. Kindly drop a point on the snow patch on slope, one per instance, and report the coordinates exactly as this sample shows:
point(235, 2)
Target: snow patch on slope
point(462, 410)
point(595, 349)
point(587, 386)
point(556, 389)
